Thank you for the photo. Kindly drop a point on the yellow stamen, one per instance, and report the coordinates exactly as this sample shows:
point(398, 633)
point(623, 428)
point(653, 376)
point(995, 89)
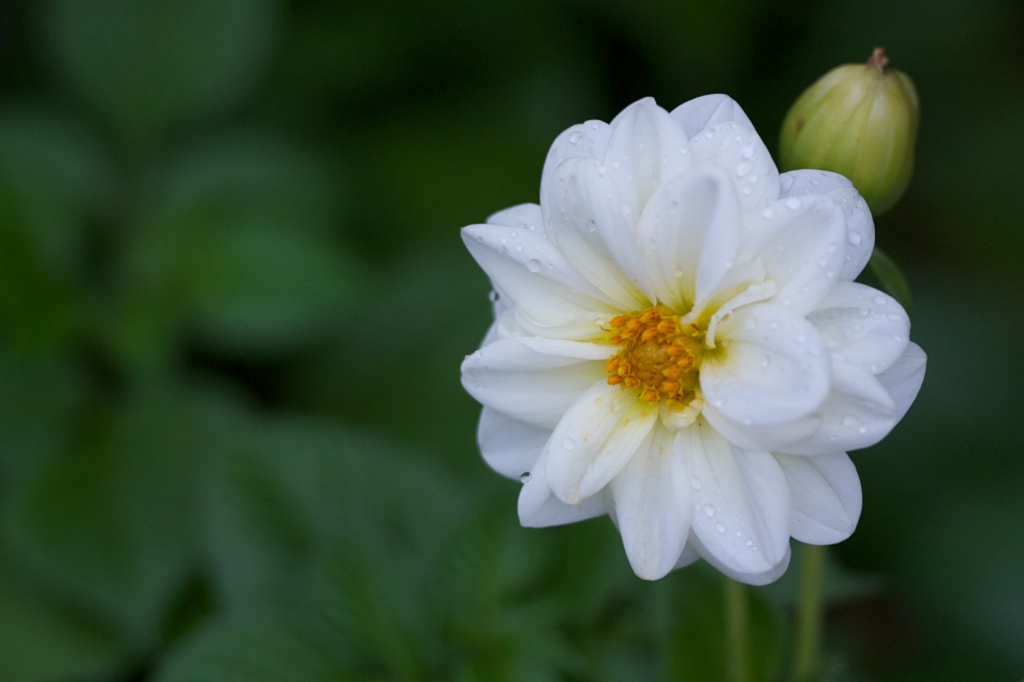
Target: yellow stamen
point(656, 355)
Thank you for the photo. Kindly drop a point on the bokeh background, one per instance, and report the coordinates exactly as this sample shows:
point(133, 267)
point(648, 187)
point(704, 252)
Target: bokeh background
point(233, 303)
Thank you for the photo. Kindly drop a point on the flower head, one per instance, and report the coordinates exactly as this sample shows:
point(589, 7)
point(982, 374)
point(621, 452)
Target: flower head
point(679, 343)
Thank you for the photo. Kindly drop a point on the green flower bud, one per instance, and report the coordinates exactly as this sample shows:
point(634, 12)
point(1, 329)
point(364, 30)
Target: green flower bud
point(859, 120)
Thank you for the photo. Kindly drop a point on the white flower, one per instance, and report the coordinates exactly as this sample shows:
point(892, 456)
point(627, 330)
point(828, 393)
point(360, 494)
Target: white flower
point(679, 343)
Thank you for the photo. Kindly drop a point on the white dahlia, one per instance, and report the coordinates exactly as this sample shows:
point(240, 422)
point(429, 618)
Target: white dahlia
point(679, 343)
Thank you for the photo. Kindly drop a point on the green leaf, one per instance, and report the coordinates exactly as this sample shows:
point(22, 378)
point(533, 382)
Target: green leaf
point(112, 522)
point(258, 649)
point(46, 639)
point(148, 64)
point(891, 278)
point(234, 244)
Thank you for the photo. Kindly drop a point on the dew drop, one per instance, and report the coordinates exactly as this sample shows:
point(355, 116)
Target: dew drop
point(850, 421)
point(881, 300)
point(524, 477)
point(533, 265)
point(568, 444)
point(742, 169)
point(695, 483)
point(863, 312)
point(749, 543)
point(576, 137)
point(793, 203)
point(747, 152)
point(854, 238)
point(493, 296)
point(767, 214)
point(709, 510)
point(720, 527)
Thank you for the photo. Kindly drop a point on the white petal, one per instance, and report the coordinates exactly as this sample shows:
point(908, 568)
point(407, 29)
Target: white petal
point(538, 506)
point(689, 554)
point(737, 149)
point(862, 326)
point(769, 438)
point(741, 506)
point(595, 439)
point(590, 221)
point(531, 273)
point(509, 446)
point(801, 244)
point(522, 217)
point(903, 380)
point(860, 227)
point(646, 149)
point(652, 506)
point(582, 141)
point(826, 496)
point(770, 366)
point(690, 234)
point(697, 114)
point(857, 413)
point(531, 385)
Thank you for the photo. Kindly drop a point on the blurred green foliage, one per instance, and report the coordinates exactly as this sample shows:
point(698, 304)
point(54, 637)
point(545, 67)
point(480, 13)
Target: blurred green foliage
point(233, 444)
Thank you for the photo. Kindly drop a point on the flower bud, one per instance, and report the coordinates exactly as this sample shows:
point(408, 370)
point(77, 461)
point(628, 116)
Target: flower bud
point(859, 120)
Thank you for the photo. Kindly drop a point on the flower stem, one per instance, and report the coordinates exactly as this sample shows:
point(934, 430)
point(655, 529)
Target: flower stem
point(807, 652)
point(737, 633)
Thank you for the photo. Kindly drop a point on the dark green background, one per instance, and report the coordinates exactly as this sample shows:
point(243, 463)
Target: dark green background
point(233, 302)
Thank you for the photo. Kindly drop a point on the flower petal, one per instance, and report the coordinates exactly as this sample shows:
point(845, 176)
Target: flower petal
point(699, 113)
point(509, 446)
point(652, 506)
point(532, 384)
point(523, 217)
point(690, 233)
point(538, 506)
point(646, 149)
point(860, 227)
point(738, 149)
point(862, 326)
point(770, 366)
point(595, 439)
point(741, 506)
point(529, 271)
point(582, 141)
point(826, 496)
point(771, 438)
point(590, 221)
point(903, 380)
point(857, 413)
point(800, 242)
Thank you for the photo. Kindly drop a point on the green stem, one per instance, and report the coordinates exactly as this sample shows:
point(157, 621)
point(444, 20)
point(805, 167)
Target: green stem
point(737, 633)
point(807, 652)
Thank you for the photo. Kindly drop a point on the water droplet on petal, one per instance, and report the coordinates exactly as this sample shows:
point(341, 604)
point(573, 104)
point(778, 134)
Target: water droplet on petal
point(767, 214)
point(533, 265)
point(850, 421)
point(793, 203)
point(720, 527)
point(881, 300)
point(696, 484)
point(568, 444)
point(709, 510)
point(575, 137)
point(524, 477)
point(747, 152)
point(854, 238)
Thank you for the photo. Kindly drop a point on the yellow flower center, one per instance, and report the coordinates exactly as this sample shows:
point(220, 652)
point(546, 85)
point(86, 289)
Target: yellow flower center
point(657, 355)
